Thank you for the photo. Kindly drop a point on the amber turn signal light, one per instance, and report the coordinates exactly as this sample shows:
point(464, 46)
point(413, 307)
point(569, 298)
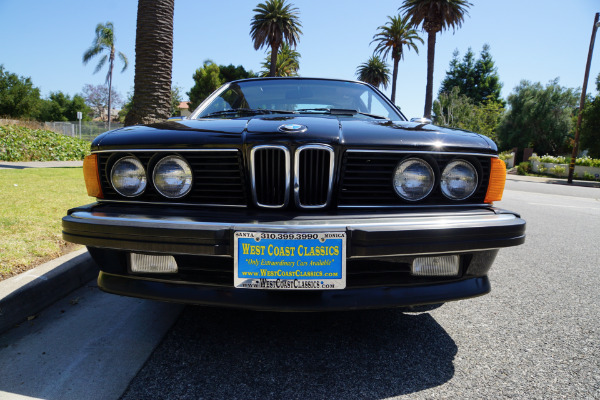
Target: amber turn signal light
point(497, 181)
point(91, 176)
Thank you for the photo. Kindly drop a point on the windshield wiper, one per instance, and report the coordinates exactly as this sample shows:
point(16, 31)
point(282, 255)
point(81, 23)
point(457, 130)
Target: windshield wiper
point(247, 111)
point(339, 111)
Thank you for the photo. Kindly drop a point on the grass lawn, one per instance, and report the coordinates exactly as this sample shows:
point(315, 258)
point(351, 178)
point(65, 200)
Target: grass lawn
point(32, 203)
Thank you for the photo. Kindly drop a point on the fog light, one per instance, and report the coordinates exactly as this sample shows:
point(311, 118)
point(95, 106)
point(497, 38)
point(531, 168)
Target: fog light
point(144, 263)
point(436, 266)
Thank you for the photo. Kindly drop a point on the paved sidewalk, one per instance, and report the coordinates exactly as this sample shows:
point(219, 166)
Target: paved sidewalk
point(39, 164)
point(27, 294)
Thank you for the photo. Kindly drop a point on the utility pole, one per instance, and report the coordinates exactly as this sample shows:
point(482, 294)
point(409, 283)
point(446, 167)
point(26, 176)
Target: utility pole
point(582, 100)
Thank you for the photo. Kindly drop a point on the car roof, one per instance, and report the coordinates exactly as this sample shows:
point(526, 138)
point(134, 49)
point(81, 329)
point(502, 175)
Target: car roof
point(270, 78)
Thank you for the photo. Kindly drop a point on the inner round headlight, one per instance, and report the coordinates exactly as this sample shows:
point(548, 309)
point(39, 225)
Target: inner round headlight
point(128, 177)
point(459, 180)
point(413, 179)
point(172, 177)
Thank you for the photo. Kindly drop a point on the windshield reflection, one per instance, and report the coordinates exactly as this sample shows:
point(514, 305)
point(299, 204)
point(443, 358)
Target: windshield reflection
point(297, 96)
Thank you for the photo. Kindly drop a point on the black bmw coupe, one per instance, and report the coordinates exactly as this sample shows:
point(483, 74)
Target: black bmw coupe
point(294, 194)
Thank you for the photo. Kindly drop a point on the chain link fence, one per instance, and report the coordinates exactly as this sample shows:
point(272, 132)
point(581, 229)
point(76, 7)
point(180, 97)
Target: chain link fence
point(88, 130)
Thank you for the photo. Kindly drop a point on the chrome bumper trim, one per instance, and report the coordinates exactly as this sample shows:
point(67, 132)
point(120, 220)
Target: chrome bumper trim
point(438, 221)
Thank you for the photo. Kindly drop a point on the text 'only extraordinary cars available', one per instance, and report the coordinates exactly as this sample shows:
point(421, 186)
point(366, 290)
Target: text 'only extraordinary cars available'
point(294, 194)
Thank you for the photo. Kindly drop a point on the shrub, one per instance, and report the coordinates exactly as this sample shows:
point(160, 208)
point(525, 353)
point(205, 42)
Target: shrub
point(557, 170)
point(583, 161)
point(524, 168)
point(553, 159)
point(587, 162)
point(19, 143)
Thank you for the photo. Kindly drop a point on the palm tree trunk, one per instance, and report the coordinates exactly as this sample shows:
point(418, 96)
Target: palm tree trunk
point(110, 71)
point(153, 62)
point(274, 51)
point(395, 78)
point(429, 87)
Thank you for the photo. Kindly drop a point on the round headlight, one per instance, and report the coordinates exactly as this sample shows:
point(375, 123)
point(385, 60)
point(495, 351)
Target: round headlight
point(459, 180)
point(128, 177)
point(172, 177)
point(413, 179)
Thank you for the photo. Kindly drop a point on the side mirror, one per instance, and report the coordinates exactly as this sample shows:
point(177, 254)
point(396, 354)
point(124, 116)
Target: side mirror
point(421, 120)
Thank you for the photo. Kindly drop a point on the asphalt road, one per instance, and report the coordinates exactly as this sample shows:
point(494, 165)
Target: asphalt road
point(536, 335)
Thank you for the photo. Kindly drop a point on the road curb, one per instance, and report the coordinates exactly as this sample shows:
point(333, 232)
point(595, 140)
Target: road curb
point(29, 293)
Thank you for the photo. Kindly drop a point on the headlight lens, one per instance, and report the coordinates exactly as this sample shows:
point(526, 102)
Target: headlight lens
point(128, 177)
point(172, 177)
point(459, 180)
point(413, 179)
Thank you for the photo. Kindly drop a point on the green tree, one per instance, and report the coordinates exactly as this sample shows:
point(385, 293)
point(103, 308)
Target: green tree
point(153, 62)
point(211, 76)
point(392, 39)
point(590, 125)
point(206, 80)
point(273, 23)
point(487, 78)
point(476, 79)
point(539, 117)
point(104, 42)
point(18, 97)
point(230, 72)
point(455, 110)
point(288, 62)
point(176, 99)
point(60, 107)
point(435, 15)
point(374, 72)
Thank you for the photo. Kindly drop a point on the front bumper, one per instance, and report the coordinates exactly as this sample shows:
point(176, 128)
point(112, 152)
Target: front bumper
point(369, 234)
point(113, 230)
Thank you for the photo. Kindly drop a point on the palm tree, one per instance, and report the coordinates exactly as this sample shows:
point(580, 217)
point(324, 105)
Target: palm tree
point(435, 15)
point(374, 72)
point(391, 39)
point(153, 62)
point(275, 22)
point(105, 42)
point(287, 62)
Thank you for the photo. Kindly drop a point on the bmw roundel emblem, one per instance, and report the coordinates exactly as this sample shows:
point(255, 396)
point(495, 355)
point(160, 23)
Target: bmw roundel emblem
point(292, 128)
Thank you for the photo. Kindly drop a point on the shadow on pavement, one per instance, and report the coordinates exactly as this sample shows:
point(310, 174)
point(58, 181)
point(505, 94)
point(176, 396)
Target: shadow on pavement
point(8, 166)
point(217, 353)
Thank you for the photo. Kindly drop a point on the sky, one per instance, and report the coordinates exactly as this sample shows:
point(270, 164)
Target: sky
point(535, 40)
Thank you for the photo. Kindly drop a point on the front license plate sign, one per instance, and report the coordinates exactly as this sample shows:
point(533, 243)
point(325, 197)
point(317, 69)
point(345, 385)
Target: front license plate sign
point(290, 261)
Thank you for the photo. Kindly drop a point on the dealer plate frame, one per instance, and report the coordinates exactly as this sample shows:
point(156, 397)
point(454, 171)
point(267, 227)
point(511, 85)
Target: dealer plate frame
point(298, 276)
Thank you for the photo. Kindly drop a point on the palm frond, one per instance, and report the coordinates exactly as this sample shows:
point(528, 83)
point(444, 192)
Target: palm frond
point(123, 58)
point(374, 72)
point(436, 15)
point(275, 21)
point(91, 53)
point(101, 63)
point(104, 41)
point(394, 35)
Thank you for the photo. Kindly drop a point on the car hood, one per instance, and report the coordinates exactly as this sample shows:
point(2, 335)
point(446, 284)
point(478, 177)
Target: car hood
point(334, 130)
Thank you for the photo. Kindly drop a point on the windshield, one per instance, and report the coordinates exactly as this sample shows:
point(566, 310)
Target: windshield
point(297, 96)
